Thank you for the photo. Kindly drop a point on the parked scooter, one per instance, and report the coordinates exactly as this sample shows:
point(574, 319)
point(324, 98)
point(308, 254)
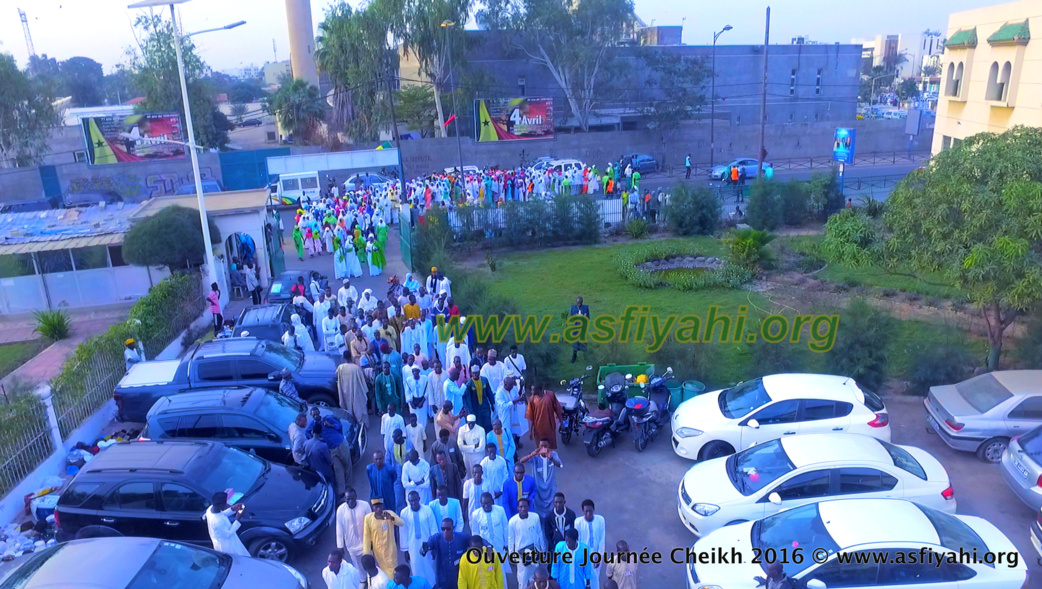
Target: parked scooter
point(606, 425)
point(575, 410)
point(650, 410)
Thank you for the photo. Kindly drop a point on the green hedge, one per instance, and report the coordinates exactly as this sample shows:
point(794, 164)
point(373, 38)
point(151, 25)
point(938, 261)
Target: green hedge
point(728, 276)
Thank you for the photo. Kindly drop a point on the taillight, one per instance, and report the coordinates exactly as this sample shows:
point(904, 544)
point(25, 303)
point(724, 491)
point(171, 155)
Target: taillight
point(57, 520)
point(1038, 518)
point(881, 420)
point(948, 493)
point(955, 425)
point(1039, 484)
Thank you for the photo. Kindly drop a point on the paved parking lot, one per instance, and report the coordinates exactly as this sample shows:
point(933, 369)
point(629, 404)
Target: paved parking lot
point(637, 494)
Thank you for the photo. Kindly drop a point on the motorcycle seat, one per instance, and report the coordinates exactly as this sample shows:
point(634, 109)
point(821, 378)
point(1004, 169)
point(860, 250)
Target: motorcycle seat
point(568, 402)
point(594, 420)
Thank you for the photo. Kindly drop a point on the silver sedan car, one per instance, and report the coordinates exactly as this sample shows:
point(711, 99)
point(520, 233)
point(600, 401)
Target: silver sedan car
point(983, 413)
point(1022, 467)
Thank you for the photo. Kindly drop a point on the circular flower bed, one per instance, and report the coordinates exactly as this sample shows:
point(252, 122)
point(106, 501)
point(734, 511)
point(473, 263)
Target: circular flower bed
point(661, 265)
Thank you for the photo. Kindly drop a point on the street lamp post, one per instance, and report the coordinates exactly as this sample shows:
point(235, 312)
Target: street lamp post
point(447, 24)
point(211, 264)
point(712, 100)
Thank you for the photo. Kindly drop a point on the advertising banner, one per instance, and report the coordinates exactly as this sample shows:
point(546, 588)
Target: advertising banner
point(513, 119)
point(843, 146)
point(133, 138)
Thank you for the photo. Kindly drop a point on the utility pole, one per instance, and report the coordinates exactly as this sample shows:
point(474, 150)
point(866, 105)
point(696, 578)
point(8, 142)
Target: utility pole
point(763, 98)
point(455, 113)
point(712, 101)
point(394, 127)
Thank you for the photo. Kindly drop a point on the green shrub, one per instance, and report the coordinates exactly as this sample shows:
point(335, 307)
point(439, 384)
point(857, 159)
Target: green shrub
point(810, 263)
point(626, 262)
point(637, 228)
point(763, 210)
point(747, 248)
point(851, 237)
point(1028, 351)
point(172, 238)
point(431, 240)
point(768, 358)
point(862, 339)
point(872, 207)
point(937, 364)
point(795, 202)
point(690, 361)
point(53, 325)
point(825, 195)
point(692, 211)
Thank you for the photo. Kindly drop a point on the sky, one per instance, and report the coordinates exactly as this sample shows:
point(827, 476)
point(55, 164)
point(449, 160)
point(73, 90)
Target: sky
point(101, 29)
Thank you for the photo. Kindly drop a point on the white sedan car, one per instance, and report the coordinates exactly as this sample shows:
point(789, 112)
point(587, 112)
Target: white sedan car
point(789, 472)
point(867, 543)
point(755, 411)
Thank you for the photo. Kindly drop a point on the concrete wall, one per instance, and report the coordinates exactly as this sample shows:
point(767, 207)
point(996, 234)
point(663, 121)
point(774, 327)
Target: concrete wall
point(137, 181)
point(782, 142)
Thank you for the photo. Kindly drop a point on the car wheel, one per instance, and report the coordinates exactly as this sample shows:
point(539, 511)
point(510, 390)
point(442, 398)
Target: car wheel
point(991, 450)
point(271, 549)
point(715, 450)
point(322, 400)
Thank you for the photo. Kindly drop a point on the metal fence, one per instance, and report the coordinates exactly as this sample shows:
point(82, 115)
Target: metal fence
point(25, 441)
point(812, 162)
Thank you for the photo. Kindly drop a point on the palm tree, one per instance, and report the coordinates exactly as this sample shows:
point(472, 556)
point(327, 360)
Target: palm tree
point(298, 107)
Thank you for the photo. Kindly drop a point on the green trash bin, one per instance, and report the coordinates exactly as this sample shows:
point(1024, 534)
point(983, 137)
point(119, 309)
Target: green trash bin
point(676, 393)
point(692, 389)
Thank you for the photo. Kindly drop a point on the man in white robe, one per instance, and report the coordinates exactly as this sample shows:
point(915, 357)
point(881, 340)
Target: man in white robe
point(350, 524)
point(321, 311)
point(454, 349)
point(490, 522)
point(471, 441)
point(591, 532)
point(524, 536)
point(346, 293)
point(419, 526)
point(330, 329)
point(219, 522)
point(416, 476)
point(494, 370)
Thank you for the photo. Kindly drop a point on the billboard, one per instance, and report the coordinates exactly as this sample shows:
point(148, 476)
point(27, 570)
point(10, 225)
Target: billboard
point(133, 138)
point(513, 119)
point(844, 146)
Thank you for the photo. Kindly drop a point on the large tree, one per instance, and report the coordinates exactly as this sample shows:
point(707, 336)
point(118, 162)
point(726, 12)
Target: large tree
point(416, 108)
point(172, 238)
point(82, 77)
point(975, 215)
point(676, 95)
point(298, 106)
point(573, 39)
point(27, 114)
point(154, 71)
point(353, 50)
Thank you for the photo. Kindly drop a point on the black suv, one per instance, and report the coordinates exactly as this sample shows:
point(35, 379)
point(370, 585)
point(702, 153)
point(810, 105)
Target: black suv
point(268, 322)
point(279, 291)
point(250, 419)
point(162, 490)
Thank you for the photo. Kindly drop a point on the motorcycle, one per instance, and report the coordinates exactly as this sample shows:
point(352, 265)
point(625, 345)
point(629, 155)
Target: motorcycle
point(575, 410)
point(650, 410)
point(604, 428)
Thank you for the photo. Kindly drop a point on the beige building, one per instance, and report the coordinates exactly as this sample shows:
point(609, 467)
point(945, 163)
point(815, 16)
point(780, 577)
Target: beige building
point(991, 74)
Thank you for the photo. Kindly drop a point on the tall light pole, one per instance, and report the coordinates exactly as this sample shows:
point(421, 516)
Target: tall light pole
point(763, 99)
point(447, 24)
point(712, 100)
point(211, 264)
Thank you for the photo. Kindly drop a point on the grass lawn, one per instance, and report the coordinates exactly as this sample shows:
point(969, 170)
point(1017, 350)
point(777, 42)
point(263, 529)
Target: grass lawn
point(547, 282)
point(14, 355)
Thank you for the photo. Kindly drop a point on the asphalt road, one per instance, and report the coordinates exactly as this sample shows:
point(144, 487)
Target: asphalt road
point(658, 180)
point(637, 495)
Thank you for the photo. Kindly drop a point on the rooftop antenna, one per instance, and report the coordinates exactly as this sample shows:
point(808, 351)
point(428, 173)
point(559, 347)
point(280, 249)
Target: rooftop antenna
point(274, 52)
point(28, 37)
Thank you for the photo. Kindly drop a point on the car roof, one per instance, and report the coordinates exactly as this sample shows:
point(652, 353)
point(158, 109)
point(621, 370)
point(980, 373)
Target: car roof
point(290, 275)
point(231, 345)
point(231, 397)
point(152, 456)
point(1020, 382)
point(812, 386)
point(851, 522)
point(262, 314)
point(76, 563)
point(834, 447)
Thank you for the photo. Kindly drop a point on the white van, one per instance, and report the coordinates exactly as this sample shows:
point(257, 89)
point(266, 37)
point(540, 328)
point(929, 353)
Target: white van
point(292, 188)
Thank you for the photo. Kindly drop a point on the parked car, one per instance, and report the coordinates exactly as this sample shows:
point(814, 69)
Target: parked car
point(1022, 467)
point(90, 199)
point(716, 424)
point(789, 472)
point(251, 419)
point(540, 164)
point(751, 166)
point(1036, 536)
point(562, 166)
point(278, 292)
point(982, 414)
point(146, 563)
point(466, 170)
point(267, 322)
point(208, 186)
point(162, 489)
point(642, 162)
point(26, 206)
point(365, 180)
point(237, 361)
point(251, 123)
point(867, 529)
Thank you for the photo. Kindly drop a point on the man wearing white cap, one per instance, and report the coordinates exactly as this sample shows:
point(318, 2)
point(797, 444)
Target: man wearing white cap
point(471, 441)
point(345, 294)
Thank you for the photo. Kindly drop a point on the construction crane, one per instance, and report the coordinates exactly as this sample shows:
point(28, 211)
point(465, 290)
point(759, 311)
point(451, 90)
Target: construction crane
point(28, 37)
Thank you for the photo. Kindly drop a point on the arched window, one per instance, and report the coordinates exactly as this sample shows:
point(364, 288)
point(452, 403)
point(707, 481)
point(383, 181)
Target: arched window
point(957, 87)
point(994, 91)
point(949, 82)
point(1007, 69)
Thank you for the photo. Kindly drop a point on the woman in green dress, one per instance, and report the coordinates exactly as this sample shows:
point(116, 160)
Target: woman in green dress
point(298, 242)
point(360, 248)
point(381, 234)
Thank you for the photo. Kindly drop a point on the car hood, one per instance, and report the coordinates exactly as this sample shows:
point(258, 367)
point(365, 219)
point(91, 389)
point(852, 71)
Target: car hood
point(318, 364)
point(287, 492)
point(249, 573)
point(730, 574)
point(702, 412)
point(952, 401)
point(707, 482)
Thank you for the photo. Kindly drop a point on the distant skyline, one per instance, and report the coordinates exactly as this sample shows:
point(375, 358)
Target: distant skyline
point(102, 30)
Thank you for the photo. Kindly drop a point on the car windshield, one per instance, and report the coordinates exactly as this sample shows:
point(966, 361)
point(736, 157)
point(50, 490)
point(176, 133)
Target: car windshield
point(953, 533)
point(983, 392)
point(177, 565)
point(23, 575)
point(227, 468)
point(739, 400)
point(281, 356)
point(753, 469)
point(279, 410)
point(903, 460)
point(800, 527)
point(1031, 443)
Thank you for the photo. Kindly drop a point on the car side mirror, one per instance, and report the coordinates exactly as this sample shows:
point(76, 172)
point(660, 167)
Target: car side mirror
point(774, 498)
point(272, 377)
point(564, 382)
point(753, 424)
point(816, 584)
point(589, 368)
